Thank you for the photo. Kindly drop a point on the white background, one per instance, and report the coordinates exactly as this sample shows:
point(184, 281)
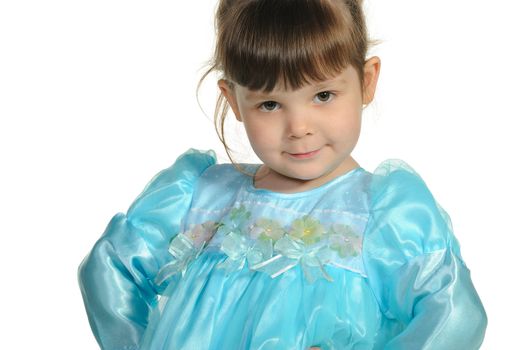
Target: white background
point(98, 96)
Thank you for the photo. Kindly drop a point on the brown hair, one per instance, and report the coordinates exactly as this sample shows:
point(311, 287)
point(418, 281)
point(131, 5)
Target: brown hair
point(263, 43)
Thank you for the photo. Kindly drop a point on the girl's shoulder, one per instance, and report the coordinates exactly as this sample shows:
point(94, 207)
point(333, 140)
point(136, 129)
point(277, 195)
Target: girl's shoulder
point(223, 181)
point(394, 175)
point(227, 174)
point(404, 214)
point(393, 184)
point(169, 185)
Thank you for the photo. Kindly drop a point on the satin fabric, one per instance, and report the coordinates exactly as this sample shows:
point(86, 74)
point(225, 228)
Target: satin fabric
point(396, 280)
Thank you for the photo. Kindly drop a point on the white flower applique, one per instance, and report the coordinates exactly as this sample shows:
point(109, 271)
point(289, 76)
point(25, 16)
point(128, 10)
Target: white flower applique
point(266, 245)
point(343, 240)
point(185, 248)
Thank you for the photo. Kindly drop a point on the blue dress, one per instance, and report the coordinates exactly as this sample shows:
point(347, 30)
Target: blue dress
point(204, 260)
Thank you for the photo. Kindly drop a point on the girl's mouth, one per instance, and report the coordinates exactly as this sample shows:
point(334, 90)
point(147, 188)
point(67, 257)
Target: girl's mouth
point(306, 155)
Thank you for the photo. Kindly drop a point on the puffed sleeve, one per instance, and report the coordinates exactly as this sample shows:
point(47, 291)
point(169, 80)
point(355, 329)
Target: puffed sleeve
point(414, 266)
point(117, 277)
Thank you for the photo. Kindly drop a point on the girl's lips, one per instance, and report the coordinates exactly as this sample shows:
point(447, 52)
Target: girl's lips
point(304, 155)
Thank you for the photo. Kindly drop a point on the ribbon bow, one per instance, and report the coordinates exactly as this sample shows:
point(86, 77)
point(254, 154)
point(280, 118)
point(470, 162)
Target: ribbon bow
point(241, 249)
point(183, 250)
point(293, 252)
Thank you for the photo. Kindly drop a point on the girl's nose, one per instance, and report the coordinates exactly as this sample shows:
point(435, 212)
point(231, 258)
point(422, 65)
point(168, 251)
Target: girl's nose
point(298, 126)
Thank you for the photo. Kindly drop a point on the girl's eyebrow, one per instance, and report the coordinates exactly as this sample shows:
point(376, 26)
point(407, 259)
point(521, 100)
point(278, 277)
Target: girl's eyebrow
point(330, 82)
point(259, 95)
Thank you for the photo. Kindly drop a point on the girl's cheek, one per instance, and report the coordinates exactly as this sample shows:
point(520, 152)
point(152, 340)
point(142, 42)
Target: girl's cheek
point(257, 135)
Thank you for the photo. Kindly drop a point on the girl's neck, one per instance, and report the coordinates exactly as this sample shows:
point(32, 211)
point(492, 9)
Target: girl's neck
point(268, 179)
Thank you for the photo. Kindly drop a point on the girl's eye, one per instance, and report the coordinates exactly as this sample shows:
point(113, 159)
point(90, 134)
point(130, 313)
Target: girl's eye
point(268, 106)
point(324, 96)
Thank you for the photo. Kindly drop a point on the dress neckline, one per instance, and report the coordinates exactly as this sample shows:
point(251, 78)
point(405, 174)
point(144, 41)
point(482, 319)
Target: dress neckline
point(251, 188)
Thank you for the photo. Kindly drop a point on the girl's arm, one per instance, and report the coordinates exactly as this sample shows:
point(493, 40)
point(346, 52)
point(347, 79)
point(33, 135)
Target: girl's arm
point(116, 284)
point(117, 277)
point(435, 299)
point(415, 268)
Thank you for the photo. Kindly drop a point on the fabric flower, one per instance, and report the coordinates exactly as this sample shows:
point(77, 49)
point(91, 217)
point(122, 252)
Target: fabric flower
point(241, 249)
point(201, 233)
point(307, 229)
point(343, 240)
point(293, 251)
point(266, 229)
point(237, 221)
point(184, 251)
point(239, 214)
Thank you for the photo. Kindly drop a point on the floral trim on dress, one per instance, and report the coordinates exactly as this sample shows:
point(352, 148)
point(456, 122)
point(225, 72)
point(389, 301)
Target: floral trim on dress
point(265, 245)
point(185, 248)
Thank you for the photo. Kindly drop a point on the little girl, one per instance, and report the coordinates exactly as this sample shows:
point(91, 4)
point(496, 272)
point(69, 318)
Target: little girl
point(307, 249)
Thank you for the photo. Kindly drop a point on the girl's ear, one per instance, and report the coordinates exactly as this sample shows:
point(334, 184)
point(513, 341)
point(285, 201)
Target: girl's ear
point(370, 78)
point(228, 91)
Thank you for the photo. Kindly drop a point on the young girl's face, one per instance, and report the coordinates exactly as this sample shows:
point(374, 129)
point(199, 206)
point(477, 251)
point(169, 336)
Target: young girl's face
point(304, 137)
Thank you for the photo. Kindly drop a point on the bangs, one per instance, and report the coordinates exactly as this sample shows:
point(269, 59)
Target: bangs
point(290, 43)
